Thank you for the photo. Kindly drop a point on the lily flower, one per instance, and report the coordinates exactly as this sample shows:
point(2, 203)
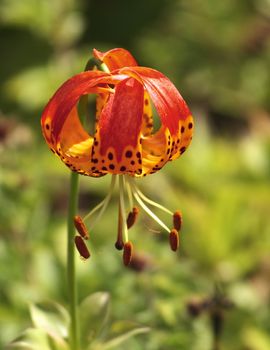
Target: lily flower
point(125, 143)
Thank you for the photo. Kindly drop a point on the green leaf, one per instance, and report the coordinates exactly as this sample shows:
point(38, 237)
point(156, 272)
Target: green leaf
point(120, 332)
point(36, 339)
point(31, 339)
point(93, 313)
point(51, 317)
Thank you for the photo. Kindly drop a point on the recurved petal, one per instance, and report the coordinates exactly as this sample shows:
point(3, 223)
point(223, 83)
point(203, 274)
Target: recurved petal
point(116, 58)
point(116, 142)
point(168, 102)
point(60, 105)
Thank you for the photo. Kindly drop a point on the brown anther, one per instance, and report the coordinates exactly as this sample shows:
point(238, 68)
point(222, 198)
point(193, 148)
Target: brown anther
point(81, 247)
point(127, 254)
point(132, 217)
point(80, 227)
point(177, 220)
point(174, 239)
point(119, 245)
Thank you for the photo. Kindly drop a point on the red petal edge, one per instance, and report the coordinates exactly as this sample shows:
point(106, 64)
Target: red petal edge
point(66, 97)
point(115, 58)
point(120, 121)
point(169, 103)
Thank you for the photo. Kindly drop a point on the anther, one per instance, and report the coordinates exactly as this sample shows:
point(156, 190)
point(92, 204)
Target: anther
point(174, 239)
point(80, 227)
point(119, 244)
point(132, 217)
point(81, 247)
point(177, 220)
point(127, 254)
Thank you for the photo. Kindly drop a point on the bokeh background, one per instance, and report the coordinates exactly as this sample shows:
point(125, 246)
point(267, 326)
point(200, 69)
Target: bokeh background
point(218, 55)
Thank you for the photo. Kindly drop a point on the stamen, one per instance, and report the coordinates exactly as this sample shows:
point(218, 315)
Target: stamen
point(80, 227)
point(129, 192)
point(177, 220)
point(149, 212)
point(146, 199)
point(119, 244)
point(132, 217)
point(81, 247)
point(174, 240)
point(103, 204)
point(122, 208)
point(127, 254)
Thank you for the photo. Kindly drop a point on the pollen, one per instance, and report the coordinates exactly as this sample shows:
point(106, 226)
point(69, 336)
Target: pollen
point(174, 240)
point(132, 217)
point(80, 227)
point(81, 247)
point(127, 254)
point(177, 220)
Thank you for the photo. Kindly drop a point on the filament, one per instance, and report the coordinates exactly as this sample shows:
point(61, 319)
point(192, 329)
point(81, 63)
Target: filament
point(103, 204)
point(129, 192)
point(149, 201)
point(122, 207)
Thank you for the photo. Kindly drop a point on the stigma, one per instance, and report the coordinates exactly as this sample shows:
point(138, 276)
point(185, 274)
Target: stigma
point(131, 201)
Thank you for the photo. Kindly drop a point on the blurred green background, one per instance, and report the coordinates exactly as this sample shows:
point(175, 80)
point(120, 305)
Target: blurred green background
point(218, 54)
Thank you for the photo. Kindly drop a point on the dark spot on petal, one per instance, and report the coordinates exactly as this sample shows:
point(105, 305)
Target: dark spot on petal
point(182, 129)
point(132, 162)
point(182, 150)
point(123, 168)
point(190, 125)
point(128, 154)
point(104, 168)
point(111, 166)
point(138, 154)
point(110, 156)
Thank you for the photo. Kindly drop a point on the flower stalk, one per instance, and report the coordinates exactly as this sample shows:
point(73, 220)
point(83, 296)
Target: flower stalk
point(71, 265)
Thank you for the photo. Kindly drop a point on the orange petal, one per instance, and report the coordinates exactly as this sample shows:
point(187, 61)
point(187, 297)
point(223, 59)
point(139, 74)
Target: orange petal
point(168, 102)
point(121, 119)
point(66, 97)
point(116, 58)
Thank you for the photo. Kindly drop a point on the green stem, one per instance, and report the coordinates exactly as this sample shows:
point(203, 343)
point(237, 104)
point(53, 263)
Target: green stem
point(71, 269)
